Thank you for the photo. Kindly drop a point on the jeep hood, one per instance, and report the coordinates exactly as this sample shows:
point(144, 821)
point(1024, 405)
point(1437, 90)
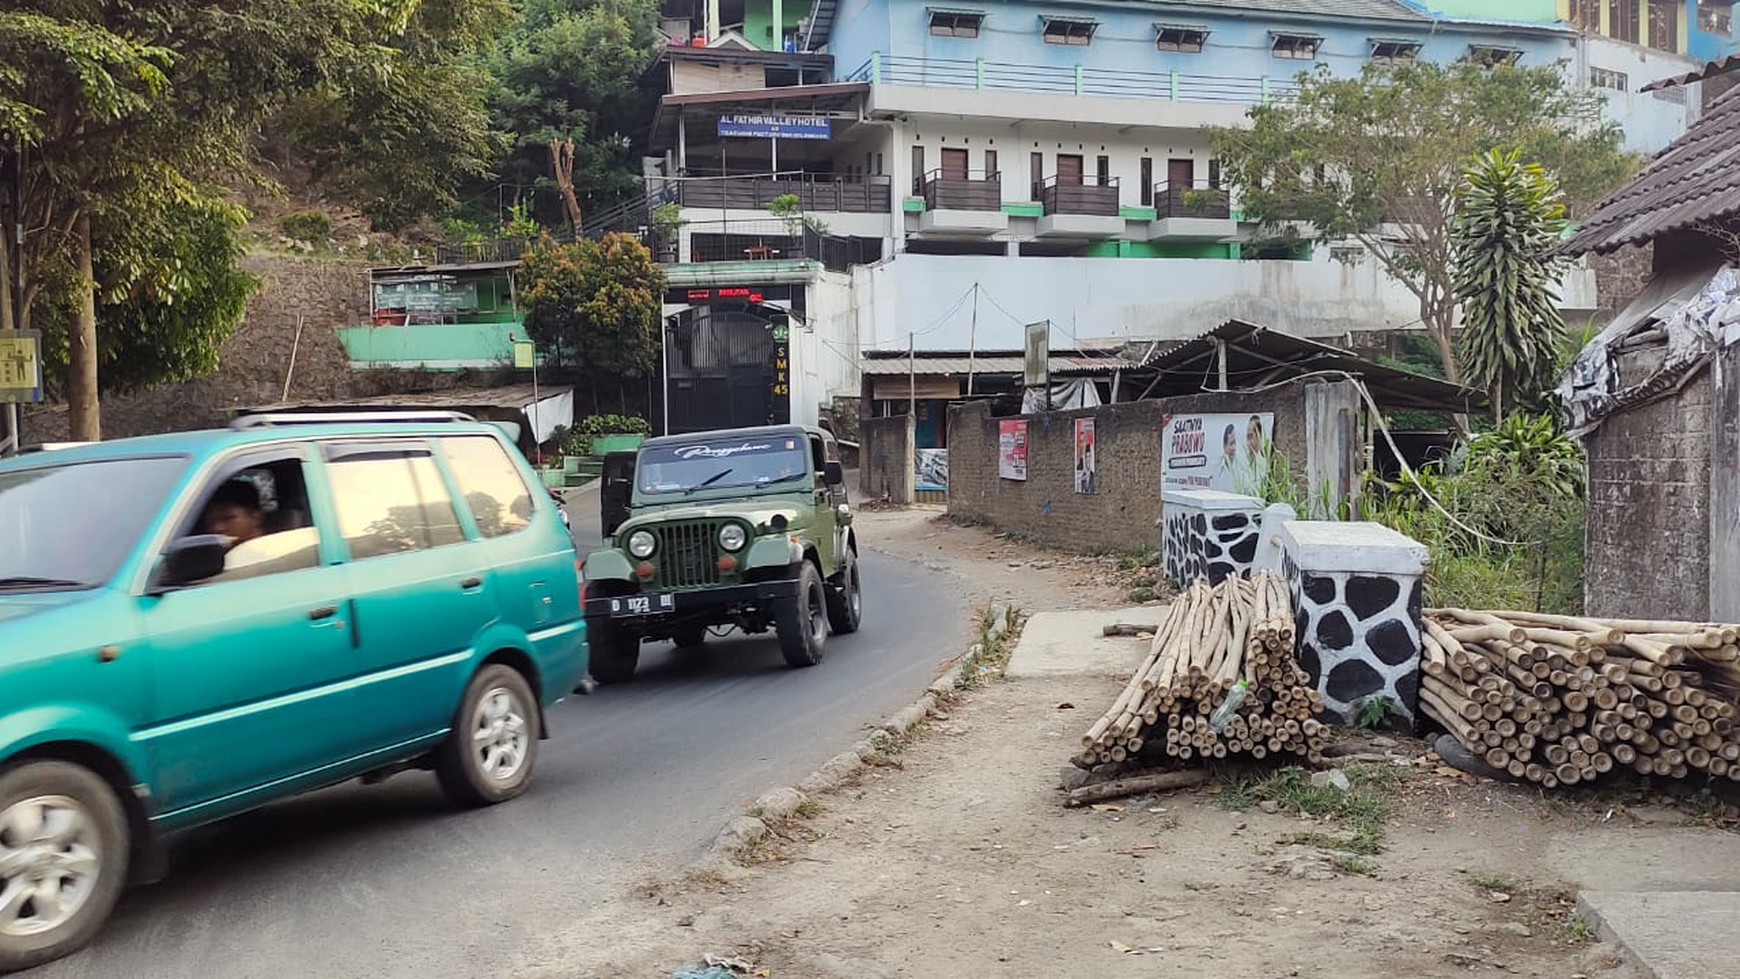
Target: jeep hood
point(755, 512)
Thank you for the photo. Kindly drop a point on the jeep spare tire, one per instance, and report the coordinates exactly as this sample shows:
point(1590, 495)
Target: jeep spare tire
point(802, 620)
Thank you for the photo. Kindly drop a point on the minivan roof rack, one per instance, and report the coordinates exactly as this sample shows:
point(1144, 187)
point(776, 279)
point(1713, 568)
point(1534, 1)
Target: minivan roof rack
point(269, 419)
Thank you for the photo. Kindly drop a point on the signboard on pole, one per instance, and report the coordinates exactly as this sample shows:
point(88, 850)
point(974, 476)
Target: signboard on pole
point(751, 126)
point(1229, 453)
point(525, 354)
point(20, 366)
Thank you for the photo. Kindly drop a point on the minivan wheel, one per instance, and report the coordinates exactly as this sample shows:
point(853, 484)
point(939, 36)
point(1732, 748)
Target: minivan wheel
point(802, 621)
point(63, 860)
point(489, 755)
point(612, 654)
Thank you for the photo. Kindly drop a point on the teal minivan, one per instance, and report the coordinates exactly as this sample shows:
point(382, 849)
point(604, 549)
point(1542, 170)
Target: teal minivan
point(197, 624)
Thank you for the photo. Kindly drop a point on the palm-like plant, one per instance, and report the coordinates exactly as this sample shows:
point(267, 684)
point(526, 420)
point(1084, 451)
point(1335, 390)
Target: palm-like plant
point(1508, 213)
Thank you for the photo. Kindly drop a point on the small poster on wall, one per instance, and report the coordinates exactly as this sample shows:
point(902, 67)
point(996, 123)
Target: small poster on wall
point(1229, 453)
point(1085, 469)
point(1012, 449)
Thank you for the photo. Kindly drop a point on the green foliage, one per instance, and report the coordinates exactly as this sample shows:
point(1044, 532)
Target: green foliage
point(1521, 482)
point(1372, 713)
point(1351, 155)
point(520, 225)
point(1508, 214)
point(595, 303)
point(572, 69)
point(667, 219)
point(310, 226)
point(577, 441)
point(1361, 810)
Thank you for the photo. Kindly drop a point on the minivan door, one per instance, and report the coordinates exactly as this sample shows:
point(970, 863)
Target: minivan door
point(423, 591)
point(616, 490)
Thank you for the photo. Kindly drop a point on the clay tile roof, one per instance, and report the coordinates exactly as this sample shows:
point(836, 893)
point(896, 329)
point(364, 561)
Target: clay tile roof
point(1695, 180)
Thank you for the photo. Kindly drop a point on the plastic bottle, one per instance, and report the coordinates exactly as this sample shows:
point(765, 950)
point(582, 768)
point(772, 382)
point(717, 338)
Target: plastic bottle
point(1223, 714)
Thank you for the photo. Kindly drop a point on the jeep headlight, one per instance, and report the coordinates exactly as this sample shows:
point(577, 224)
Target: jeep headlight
point(732, 537)
point(641, 544)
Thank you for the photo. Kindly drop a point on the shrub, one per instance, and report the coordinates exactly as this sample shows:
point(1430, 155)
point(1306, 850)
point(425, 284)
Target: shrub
point(311, 226)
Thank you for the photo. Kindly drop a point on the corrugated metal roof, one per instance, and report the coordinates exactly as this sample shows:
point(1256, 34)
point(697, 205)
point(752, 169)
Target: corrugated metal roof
point(1336, 9)
point(1710, 69)
point(1696, 179)
point(999, 363)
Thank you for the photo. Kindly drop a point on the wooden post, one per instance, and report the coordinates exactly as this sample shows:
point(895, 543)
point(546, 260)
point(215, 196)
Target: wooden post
point(1332, 446)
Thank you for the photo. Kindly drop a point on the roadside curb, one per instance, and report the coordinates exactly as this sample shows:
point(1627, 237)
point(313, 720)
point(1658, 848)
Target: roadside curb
point(750, 827)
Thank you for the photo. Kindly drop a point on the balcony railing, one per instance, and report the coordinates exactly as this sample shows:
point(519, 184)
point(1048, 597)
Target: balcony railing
point(1173, 86)
point(1072, 197)
point(969, 191)
point(1197, 200)
point(814, 192)
point(774, 240)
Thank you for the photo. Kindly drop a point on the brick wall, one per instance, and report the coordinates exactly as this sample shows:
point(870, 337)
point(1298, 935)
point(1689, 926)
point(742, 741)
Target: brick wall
point(1121, 516)
point(1648, 533)
point(887, 460)
point(322, 294)
point(1619, 278)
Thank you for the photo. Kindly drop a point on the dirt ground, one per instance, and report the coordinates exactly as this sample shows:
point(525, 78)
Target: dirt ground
point(958, 859)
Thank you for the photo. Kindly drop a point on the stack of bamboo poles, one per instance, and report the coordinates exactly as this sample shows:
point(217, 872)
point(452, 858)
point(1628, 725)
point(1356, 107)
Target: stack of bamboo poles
point(1241, 629)
point(1560, 700)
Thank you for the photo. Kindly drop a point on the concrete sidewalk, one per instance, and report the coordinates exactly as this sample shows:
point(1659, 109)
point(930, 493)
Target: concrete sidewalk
point(1669, 934)
point(1072, 643)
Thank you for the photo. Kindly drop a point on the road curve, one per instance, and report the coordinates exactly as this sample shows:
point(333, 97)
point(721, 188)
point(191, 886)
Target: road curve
point(389, 881)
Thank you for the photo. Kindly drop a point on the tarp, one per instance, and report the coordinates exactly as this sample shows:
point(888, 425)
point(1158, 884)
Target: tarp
point(1077, 392)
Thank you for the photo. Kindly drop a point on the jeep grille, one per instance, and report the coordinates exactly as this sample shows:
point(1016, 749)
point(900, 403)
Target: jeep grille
point(689, 554)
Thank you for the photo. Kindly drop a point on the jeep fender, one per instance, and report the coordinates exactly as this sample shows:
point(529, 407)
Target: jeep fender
point(610, 564)
point(773, 552)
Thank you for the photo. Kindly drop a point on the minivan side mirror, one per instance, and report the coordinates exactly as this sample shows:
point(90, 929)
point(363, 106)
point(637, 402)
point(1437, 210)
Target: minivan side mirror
point(191, 559)
point(834, 474)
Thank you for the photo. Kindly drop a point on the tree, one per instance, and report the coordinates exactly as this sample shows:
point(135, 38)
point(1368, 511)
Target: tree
point(1508, 214)
point(595, 303)
point(1377, 159)
point(118, 119)
point(571, 69)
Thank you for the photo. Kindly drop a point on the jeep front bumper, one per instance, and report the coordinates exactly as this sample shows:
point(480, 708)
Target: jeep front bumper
point(723, 596)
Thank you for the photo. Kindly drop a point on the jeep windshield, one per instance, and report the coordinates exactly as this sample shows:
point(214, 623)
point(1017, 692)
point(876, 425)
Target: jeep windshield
point(68, 527)
point(722, 463)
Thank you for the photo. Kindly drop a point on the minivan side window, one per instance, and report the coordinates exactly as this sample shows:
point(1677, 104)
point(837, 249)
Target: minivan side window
point(490, 483)
point(390, 499)
point(261, 504)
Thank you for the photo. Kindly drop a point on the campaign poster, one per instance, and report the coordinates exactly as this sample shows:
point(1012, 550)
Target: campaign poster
point(1012, 448)
point(1228, 452)
point(1086, 478)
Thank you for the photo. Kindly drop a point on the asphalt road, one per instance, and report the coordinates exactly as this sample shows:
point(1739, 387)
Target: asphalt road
point(388, 881)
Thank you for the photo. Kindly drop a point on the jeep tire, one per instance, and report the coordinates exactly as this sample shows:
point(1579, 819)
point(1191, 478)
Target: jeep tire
point(614, 652)
point(846, 602)
point(690, 637)
point(802, 620)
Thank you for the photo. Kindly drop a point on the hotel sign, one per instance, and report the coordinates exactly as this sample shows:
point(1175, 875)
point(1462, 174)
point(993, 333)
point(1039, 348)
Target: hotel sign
point(775, 127)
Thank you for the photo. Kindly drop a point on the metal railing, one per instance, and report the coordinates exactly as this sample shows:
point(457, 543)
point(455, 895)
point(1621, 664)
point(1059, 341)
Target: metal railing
point(1173, 86)
point(1073, 197)
point(1193, 200)
point(773, 240)
point(973, 190)
point(814, 192)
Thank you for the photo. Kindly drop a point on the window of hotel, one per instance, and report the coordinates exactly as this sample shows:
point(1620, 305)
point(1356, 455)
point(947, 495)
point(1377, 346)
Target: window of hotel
point(1716, 17)
point(1624, 21)
point(1299, 47)
point(1103, 170)
point(1488, 56)
point(955, 23)
point(1147, 181)
point(1214, 173)
point(1586, 15)
point(1188, 40)
point(1664, 24)
point(1608, 78)
point(1061, 31)
point(990, 164)
point(1392, 52)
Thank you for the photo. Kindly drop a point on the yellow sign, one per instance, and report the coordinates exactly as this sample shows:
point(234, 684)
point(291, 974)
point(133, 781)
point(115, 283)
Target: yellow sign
point(525, 354)
point(19, 374)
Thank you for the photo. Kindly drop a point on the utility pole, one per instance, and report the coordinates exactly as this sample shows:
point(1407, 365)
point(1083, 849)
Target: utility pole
point(973, 340)
point(911, 379)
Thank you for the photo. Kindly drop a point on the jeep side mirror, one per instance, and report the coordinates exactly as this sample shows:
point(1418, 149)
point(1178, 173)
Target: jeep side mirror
point(190, 560)
point(834, 473)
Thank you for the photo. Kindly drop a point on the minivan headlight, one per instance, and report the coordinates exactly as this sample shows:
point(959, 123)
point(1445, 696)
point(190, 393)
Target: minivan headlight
point(732, 537)
point(641, 544)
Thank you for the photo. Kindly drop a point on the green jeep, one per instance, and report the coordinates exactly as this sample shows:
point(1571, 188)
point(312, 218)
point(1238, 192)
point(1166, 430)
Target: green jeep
point(748, 528)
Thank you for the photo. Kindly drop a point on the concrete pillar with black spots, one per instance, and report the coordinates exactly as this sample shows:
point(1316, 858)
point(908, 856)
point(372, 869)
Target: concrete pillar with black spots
point(1356, 606)
point(1209, 534)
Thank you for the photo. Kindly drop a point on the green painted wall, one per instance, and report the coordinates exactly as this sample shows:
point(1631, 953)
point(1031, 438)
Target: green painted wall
point(1513, 11)
point(449, 346)
point(1162, 249)
point(758, 21)
point(1028, 209)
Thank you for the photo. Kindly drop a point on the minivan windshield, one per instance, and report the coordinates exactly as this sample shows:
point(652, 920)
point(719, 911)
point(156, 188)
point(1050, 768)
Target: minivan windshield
point(757, 461)
point(70, 526)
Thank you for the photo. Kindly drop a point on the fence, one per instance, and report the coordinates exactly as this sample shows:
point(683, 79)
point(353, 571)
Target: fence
point(1172, 86)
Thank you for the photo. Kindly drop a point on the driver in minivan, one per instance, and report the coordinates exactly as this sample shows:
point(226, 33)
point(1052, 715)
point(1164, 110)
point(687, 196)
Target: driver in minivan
point(234, 511)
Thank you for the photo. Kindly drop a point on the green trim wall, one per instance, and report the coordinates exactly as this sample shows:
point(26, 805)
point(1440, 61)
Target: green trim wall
point(1162, 249)
point(758, 21)
point(1025, 209)
point(448, 346)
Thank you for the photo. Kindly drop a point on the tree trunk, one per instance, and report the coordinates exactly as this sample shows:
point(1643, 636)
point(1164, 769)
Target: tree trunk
point(81, 381)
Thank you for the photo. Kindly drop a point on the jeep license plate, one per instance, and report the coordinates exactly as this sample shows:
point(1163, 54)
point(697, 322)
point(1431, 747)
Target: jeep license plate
point(642, 605)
